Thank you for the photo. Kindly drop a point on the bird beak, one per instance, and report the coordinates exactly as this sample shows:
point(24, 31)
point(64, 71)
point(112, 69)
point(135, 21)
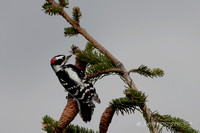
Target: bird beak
point(67, 57)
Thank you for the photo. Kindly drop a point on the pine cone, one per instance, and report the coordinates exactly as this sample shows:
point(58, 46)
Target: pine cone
point(106, 119)
point(69, 113)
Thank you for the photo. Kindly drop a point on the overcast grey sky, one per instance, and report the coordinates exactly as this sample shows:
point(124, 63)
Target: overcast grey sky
point(164, 34)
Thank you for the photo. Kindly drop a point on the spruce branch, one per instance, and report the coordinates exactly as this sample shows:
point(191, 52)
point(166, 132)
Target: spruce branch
point(76, 14)
point(138, 96)
point(125, 74)
point(97, 64)
point(70, 31)
point(77, 129)
point(149, 119)
point(84, 33)
point(51, 126)
point(147, 72)
point(128, 104)
point(64, 3)
point(105, 72)
point(174, 124)
point(51, 9)
point(123, 105)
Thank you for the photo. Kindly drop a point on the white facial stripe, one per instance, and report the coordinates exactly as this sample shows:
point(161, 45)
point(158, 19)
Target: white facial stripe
point(59, 57)
point(56, 68)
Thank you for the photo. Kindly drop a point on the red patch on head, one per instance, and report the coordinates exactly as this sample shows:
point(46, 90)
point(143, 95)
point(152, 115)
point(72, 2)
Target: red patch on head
point(53, 60)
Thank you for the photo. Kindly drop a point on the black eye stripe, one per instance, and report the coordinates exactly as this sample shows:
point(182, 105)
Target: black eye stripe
point(59, 61)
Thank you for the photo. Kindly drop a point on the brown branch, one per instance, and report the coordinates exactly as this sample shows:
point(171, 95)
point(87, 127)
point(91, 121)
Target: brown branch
point(84, 33)
point(125, 73)
point(113, 70)
point(132, 70)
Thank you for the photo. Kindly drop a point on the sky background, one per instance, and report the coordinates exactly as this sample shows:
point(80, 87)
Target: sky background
point(164, 34)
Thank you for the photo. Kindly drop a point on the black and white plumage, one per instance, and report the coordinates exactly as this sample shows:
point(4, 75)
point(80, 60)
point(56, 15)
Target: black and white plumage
point(75, 82)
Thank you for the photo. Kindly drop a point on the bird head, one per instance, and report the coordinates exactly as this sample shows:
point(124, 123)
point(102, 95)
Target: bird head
point(58, 61)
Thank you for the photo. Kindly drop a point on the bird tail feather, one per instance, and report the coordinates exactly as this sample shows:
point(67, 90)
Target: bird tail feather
point(86, 110)
point(96, 98)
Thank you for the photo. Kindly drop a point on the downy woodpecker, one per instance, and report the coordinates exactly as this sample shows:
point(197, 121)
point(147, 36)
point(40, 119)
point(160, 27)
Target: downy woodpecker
point(76, 83)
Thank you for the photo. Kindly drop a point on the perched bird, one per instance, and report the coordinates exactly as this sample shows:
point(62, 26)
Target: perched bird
point(76, 83)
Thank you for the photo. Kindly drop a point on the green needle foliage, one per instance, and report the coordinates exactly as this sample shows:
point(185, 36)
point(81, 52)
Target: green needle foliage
point(50, 126)
point(76, 129)
point(51, 9)
point(95, 61)
point(76, 14)
point(128, 104)
point(64, 3)
point(174, 124)
point(123, 105)
point(55, 10)
point(70, 31)
point(147, 72)
point(138, 96)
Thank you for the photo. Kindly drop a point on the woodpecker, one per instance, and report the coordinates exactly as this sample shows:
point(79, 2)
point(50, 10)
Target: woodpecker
point(76, 84)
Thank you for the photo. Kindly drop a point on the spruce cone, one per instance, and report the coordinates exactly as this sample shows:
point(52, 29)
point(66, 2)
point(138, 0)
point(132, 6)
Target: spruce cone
point(69, 113)
point(106, 119)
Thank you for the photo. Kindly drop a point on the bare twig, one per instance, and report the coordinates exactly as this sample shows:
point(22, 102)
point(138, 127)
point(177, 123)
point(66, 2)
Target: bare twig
point(132, 70)
point(113, 70)
point(124, 74)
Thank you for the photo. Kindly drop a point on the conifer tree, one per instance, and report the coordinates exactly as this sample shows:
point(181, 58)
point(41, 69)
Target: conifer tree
point(97, 63)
